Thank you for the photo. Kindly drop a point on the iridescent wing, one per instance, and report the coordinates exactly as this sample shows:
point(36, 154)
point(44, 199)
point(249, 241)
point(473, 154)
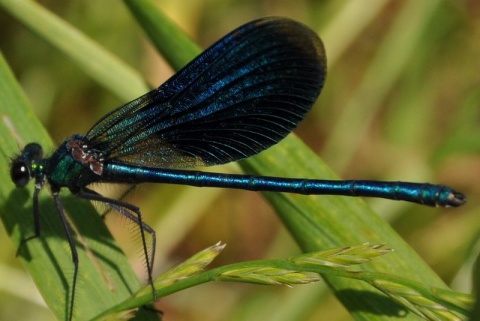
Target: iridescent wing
point(242, 95)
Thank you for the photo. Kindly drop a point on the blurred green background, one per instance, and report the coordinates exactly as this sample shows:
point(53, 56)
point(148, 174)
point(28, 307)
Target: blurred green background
point(401, 102)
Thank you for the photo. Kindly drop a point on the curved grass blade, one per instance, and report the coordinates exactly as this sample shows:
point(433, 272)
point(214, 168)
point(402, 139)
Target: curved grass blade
point(105, 67)
point(106, 277)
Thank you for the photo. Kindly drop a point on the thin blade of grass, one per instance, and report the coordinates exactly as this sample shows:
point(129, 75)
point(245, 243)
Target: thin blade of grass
point(106, 68)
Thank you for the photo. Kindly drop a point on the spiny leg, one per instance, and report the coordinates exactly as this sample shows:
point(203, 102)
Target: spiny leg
point(66, 227)
point(133, 213)
point(73, 249)
point(36, 219)
point(121, 198)
point(143, 226)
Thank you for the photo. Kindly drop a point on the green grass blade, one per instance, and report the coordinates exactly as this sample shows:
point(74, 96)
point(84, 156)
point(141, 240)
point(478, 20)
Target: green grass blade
point(322, 222)
point(105, 276)
point(106, 68)
point(168, 39)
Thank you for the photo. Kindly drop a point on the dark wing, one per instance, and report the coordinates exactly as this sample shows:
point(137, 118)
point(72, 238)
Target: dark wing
point(242, 95)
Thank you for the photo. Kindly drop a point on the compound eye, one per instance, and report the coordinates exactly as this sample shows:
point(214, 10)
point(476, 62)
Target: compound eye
point(20, 173)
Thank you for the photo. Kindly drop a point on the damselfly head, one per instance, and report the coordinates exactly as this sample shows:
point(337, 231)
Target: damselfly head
point(22, 167)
